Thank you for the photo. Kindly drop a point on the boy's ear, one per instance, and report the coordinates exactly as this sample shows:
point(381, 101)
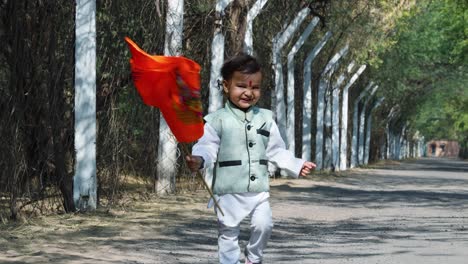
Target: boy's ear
point(225, 86)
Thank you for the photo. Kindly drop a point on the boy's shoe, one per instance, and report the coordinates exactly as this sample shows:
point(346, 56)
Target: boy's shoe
point(247, 261)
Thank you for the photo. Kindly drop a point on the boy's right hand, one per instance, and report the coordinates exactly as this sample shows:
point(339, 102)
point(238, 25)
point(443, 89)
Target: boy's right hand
point(194, 162)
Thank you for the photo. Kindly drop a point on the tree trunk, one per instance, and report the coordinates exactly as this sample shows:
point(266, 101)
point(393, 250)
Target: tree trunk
point(344, 119)
point(217, 58)
point(238, 25)
point(167, 147)
point(369, 131)
point(327, 130)
point(390, 136)
point(290, 116)
point(355, 135)
point(84, 184)
point(322, 90)
point(335, 138)
point(278, 103)
point(307, 109)
point(362, 126)
point(251, 15)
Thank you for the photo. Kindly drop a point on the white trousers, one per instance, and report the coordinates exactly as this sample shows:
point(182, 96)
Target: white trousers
point(229, 227)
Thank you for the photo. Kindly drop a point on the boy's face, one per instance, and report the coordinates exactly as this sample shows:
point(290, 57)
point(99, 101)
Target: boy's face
point(243, 89)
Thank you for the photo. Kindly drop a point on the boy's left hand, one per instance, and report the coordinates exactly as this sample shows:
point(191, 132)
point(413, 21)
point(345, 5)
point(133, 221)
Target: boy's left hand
point(307, 167)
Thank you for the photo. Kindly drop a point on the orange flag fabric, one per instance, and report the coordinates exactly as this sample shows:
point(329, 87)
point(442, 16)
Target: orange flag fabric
point(171, 84)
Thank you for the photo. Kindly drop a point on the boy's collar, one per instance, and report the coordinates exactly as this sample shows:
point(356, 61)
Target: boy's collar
point(241, 114)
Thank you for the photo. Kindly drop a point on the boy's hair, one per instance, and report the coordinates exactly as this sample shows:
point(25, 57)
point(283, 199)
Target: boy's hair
point(243, 63)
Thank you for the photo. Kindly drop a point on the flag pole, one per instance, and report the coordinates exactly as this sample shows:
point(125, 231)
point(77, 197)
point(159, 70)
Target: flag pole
point(186, 152)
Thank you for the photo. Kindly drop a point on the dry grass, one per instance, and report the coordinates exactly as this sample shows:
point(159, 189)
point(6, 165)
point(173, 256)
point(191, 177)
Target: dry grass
point(131, 189)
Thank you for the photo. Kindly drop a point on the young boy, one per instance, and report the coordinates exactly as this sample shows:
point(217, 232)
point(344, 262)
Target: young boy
point(239, 140)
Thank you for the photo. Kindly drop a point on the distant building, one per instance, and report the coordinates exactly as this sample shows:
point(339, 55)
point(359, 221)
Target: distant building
point(442, 148)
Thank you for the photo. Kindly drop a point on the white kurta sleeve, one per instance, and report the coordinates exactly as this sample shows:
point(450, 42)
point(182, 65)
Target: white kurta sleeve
point(277, 153)
point(207, 146)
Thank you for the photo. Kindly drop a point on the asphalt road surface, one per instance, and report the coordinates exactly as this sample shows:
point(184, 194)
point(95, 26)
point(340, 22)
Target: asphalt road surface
point(413, 212)
point(416, 212)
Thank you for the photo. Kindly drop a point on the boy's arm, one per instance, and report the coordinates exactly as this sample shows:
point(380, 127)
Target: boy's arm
point(207, 146)
point(278, 154)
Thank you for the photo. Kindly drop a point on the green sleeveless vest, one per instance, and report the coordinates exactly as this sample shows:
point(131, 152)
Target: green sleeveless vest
point(241, 164)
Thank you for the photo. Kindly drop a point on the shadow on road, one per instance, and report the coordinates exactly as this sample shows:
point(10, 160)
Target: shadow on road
point(432, 164)
point(403, 210)
point(344, 197)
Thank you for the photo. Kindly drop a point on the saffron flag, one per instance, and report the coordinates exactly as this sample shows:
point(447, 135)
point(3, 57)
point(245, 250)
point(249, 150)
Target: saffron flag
point(171, 84)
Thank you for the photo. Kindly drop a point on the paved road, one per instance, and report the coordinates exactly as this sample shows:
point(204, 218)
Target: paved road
point(416, 212)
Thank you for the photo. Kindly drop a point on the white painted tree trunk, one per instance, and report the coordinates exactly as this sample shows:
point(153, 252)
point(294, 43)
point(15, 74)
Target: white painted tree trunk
point(167, 149)
point(335, 138)
point(344, 119)
point(362, 122)
point(278, 101)
point(307, 110)
point(400, 142)
point(327, 151)
point(369, 130)
point(383, 150)
point(403, 148)
point(406, 148)
point(389, 145)
point(354, 139)
point(251, 15)
point(390, 136)
point(290, 117)
point(389, 142)
point(412, 145)
point(217, 58)
point(84, 180)
point(322, 89)
point(422, 144)
point(335, 114)
point(319, 124)
point(367, 140)
point(396, 146)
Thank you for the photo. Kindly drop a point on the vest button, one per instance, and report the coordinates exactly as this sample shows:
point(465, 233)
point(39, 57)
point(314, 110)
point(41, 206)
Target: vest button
point(251, 144)
point(252, 178)
point(249, 127)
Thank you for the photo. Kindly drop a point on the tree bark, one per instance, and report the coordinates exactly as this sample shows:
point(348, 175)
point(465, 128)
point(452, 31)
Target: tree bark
point(344, 119)
point(335, 115)
point(278, 102)
point(362, 126)
point(85, 186)
point(167, 147)
point(322, 90)
point(355, 135)
point(251, 15)
point(290, 115)
point(238, 25)
point(369, 130)
point(217, 58)
point(307, 110)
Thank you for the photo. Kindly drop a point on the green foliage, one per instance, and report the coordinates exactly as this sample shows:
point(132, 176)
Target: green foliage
point(423, 71)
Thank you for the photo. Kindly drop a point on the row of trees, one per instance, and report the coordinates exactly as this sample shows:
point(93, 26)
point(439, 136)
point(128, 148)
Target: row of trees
point(425, 74)
point(324, 57)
